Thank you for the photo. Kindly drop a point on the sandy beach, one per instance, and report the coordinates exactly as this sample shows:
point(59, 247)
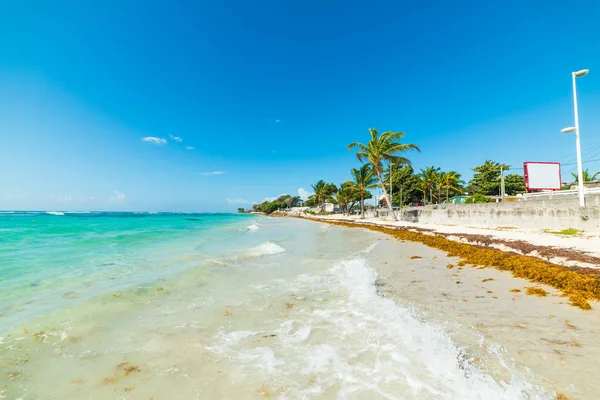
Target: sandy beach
point(540, 333)
point(581, 250)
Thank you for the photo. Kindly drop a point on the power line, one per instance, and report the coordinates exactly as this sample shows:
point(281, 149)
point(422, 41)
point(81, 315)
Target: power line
point(587, 151)
point(566, 164)
point(586, 161)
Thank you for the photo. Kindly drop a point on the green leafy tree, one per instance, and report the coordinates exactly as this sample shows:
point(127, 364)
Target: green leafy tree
point(406, 186)
point(514, 184)
point(283, 201)
point(292, 201)
point(323, 193)
point(587, 177)
point(486, 179)
point(383, 148)
point(364, 179)
point(273, 206)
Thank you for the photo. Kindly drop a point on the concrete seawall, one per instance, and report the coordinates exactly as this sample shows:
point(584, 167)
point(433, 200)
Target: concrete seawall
point(541, 214)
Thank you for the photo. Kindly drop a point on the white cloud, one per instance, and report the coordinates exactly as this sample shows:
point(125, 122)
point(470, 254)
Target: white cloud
point(212, 173)
point(190, 148)
point(304, 194)
point(118, 197)
point(154, 140)
point(176, 138)
point(277, 121)
point(239, 201)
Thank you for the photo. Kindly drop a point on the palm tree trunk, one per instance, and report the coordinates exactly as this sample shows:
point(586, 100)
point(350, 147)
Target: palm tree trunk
point(387, 198)
point(362, 204)
point(447, 197)
point(430, 195)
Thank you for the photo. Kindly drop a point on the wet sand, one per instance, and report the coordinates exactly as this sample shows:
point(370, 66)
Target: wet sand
point(558, 343)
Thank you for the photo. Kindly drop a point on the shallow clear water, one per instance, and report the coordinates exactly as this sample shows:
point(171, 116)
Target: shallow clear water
point(219, 306)
point(45, 257)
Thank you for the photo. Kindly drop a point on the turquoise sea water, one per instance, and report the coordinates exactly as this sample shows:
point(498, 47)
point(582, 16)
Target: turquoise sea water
point(224, 306)
point(47, 257)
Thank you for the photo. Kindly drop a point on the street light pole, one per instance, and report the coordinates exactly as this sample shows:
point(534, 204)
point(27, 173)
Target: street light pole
point(391, 189)
point(576, 75)
point(502, 188)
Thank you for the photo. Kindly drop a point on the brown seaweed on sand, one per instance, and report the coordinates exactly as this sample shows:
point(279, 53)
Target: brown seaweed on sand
point(580, 285)
point(535, 291)
point(561, 396)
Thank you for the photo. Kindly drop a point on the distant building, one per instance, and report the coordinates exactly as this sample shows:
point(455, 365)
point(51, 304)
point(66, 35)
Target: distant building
point(329, 207)
point(586, 185)
point(458, 199)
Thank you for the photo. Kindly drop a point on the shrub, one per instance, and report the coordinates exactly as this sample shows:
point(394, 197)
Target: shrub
point(477, 198)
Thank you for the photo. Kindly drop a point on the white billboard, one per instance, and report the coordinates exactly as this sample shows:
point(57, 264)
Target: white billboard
point(542, 176)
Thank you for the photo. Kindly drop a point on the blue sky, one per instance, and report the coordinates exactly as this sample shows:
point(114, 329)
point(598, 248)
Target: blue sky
point(269, 93)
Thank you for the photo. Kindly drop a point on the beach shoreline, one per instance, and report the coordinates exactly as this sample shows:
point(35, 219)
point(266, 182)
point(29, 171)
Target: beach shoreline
point(498, 305)
point(292, 307)
point(572, 251)
point(572, 271)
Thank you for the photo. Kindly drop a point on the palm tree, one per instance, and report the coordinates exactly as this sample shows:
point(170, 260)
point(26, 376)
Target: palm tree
point(382, 148)
point(439, 182)
point(364, 180)
point(430, 180)
point(451, 182)
point(322, 192)
point(586, 176)
point(344, 194)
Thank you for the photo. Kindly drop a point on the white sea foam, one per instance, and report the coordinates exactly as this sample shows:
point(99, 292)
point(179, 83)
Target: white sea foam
point(265, 249)
point(348, 339)
point(428, 361)
point(55, 213)
point(253, 227)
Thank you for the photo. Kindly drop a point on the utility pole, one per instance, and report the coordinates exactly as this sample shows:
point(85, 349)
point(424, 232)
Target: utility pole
point(502, 191)
point(401, 202)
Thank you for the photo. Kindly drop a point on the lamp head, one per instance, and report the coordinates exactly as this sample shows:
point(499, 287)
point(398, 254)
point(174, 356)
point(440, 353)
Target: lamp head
point(568, 130)
point(581, 72)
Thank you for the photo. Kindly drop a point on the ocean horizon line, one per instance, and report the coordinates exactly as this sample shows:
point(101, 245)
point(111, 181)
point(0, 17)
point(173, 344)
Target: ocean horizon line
point(50, 211)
